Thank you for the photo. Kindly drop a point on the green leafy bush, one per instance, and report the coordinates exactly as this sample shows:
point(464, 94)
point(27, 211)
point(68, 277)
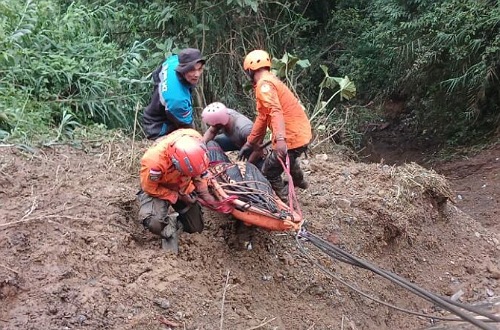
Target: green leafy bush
point(56, 64)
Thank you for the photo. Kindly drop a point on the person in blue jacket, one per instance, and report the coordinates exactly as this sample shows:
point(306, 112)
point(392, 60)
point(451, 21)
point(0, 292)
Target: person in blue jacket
point(171, 105)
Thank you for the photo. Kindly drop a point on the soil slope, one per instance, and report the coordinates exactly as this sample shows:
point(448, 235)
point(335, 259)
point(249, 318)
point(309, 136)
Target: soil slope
point(74, 256)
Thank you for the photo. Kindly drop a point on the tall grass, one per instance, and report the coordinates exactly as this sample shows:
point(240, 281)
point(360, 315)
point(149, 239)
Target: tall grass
point(56, 62)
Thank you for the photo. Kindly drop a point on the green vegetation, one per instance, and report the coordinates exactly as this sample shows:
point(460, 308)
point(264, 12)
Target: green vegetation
point(58, 70)
point(442, 58)
point(67, 65)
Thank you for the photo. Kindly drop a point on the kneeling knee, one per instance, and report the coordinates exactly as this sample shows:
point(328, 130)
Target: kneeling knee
point(154, 225)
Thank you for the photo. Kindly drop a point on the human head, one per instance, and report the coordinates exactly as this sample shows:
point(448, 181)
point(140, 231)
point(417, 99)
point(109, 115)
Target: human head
point(215, 114)
point(189, 155)
point(191, 64)
point(255, 60)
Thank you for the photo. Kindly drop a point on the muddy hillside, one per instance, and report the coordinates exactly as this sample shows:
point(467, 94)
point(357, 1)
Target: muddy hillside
point(73, 255)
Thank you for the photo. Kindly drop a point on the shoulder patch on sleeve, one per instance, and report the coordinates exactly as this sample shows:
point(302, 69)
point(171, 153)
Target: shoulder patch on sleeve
point(265, 88)
point(154, 174)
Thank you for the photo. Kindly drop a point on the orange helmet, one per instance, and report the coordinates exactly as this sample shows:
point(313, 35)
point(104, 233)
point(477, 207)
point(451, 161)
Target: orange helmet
point(189, 155)
point(257, 59)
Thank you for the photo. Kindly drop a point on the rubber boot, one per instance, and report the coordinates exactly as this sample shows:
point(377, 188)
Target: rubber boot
point(170, 234)
point(171, 244)
point(298, 178)
point(244, 235)
point(302, 184)
point(279, 188)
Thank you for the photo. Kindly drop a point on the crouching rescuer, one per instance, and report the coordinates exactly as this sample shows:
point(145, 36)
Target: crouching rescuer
point(174, 173)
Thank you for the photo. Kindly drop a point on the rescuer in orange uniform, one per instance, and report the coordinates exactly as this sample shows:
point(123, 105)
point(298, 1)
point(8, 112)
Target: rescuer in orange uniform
point(173, 173)
point(281, 111)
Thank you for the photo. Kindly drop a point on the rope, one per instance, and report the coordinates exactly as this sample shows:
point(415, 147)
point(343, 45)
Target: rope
point(254, 196)
point(292, 196)
point(341, 255)
point(352, 287)
point(260, 197)
point(225, 206)
point(444, 302)
point(239, 189)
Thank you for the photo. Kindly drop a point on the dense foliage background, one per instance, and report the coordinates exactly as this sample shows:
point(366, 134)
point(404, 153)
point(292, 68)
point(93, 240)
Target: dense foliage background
point(77, 64)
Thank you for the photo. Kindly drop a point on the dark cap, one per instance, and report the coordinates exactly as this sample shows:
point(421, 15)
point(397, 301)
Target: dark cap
point(188, 58)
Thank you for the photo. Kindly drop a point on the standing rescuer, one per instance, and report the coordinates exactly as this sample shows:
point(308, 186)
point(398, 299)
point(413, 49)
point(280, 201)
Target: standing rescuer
point(173, 173)
point(281, 111)
point(171, 104)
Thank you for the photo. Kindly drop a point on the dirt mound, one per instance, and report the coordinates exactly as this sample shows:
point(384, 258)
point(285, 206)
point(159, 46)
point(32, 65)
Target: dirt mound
point(74, 256)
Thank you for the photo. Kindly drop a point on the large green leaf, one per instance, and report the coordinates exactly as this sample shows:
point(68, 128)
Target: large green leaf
point(347, 88)
point(328, 82)
point(282, 67)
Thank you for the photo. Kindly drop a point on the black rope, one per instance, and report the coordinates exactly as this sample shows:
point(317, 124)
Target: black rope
point(363, 264)
point(444, 302)
point(352, 287)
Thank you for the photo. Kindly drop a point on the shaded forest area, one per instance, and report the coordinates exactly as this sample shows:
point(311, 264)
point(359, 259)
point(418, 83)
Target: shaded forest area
point(72, 69)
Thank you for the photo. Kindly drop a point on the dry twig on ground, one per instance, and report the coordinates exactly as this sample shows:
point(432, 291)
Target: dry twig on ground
point(223, 299)
point(262, 324)
point(12, 270)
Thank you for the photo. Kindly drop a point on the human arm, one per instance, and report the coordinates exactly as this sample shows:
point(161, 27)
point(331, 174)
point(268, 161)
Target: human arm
point(269, 100)
point(258, 130)
point(210, 134)
point(179, 112)
point(207, 199)
point(150, 178)
point(201, 188)
point(254, 135)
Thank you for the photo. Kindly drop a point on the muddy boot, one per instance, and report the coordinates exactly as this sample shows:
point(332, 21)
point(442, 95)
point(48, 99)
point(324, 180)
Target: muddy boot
point(302, 184)
point(170, 234)
point(244, 235)
point(279, 188)
point(298, 178)
point(171, 244)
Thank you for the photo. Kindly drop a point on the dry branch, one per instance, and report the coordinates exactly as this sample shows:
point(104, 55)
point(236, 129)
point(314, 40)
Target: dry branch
point(12, 270)
point(137, 108)
point(169, 323)
point(32, 208)
point(223, 299)
point(43, 217)
point(262, 324)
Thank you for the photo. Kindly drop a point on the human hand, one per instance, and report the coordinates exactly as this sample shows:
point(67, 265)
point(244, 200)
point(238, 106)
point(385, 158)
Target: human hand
point(207, 197)
point(255, 156)
point(281, 149)
point(188, 198)
point(245, 151)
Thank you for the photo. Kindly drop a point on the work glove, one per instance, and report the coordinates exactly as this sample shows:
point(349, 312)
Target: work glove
point(281, 149)
point(245, 151)
point(188, 198)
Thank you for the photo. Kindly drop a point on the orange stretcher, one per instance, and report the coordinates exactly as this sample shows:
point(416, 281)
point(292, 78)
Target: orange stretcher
point(243, 191)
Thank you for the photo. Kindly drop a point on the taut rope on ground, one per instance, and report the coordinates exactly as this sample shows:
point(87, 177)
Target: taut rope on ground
point(446, 303)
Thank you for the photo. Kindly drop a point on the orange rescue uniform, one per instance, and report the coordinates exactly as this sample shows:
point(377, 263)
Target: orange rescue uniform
point(280, 110)
point(158, 175)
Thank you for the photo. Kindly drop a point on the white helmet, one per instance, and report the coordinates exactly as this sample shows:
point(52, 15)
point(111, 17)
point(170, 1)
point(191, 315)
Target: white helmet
point(215, 114)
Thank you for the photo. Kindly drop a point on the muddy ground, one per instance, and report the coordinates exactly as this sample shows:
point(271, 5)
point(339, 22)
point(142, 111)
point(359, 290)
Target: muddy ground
point(73, 255)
